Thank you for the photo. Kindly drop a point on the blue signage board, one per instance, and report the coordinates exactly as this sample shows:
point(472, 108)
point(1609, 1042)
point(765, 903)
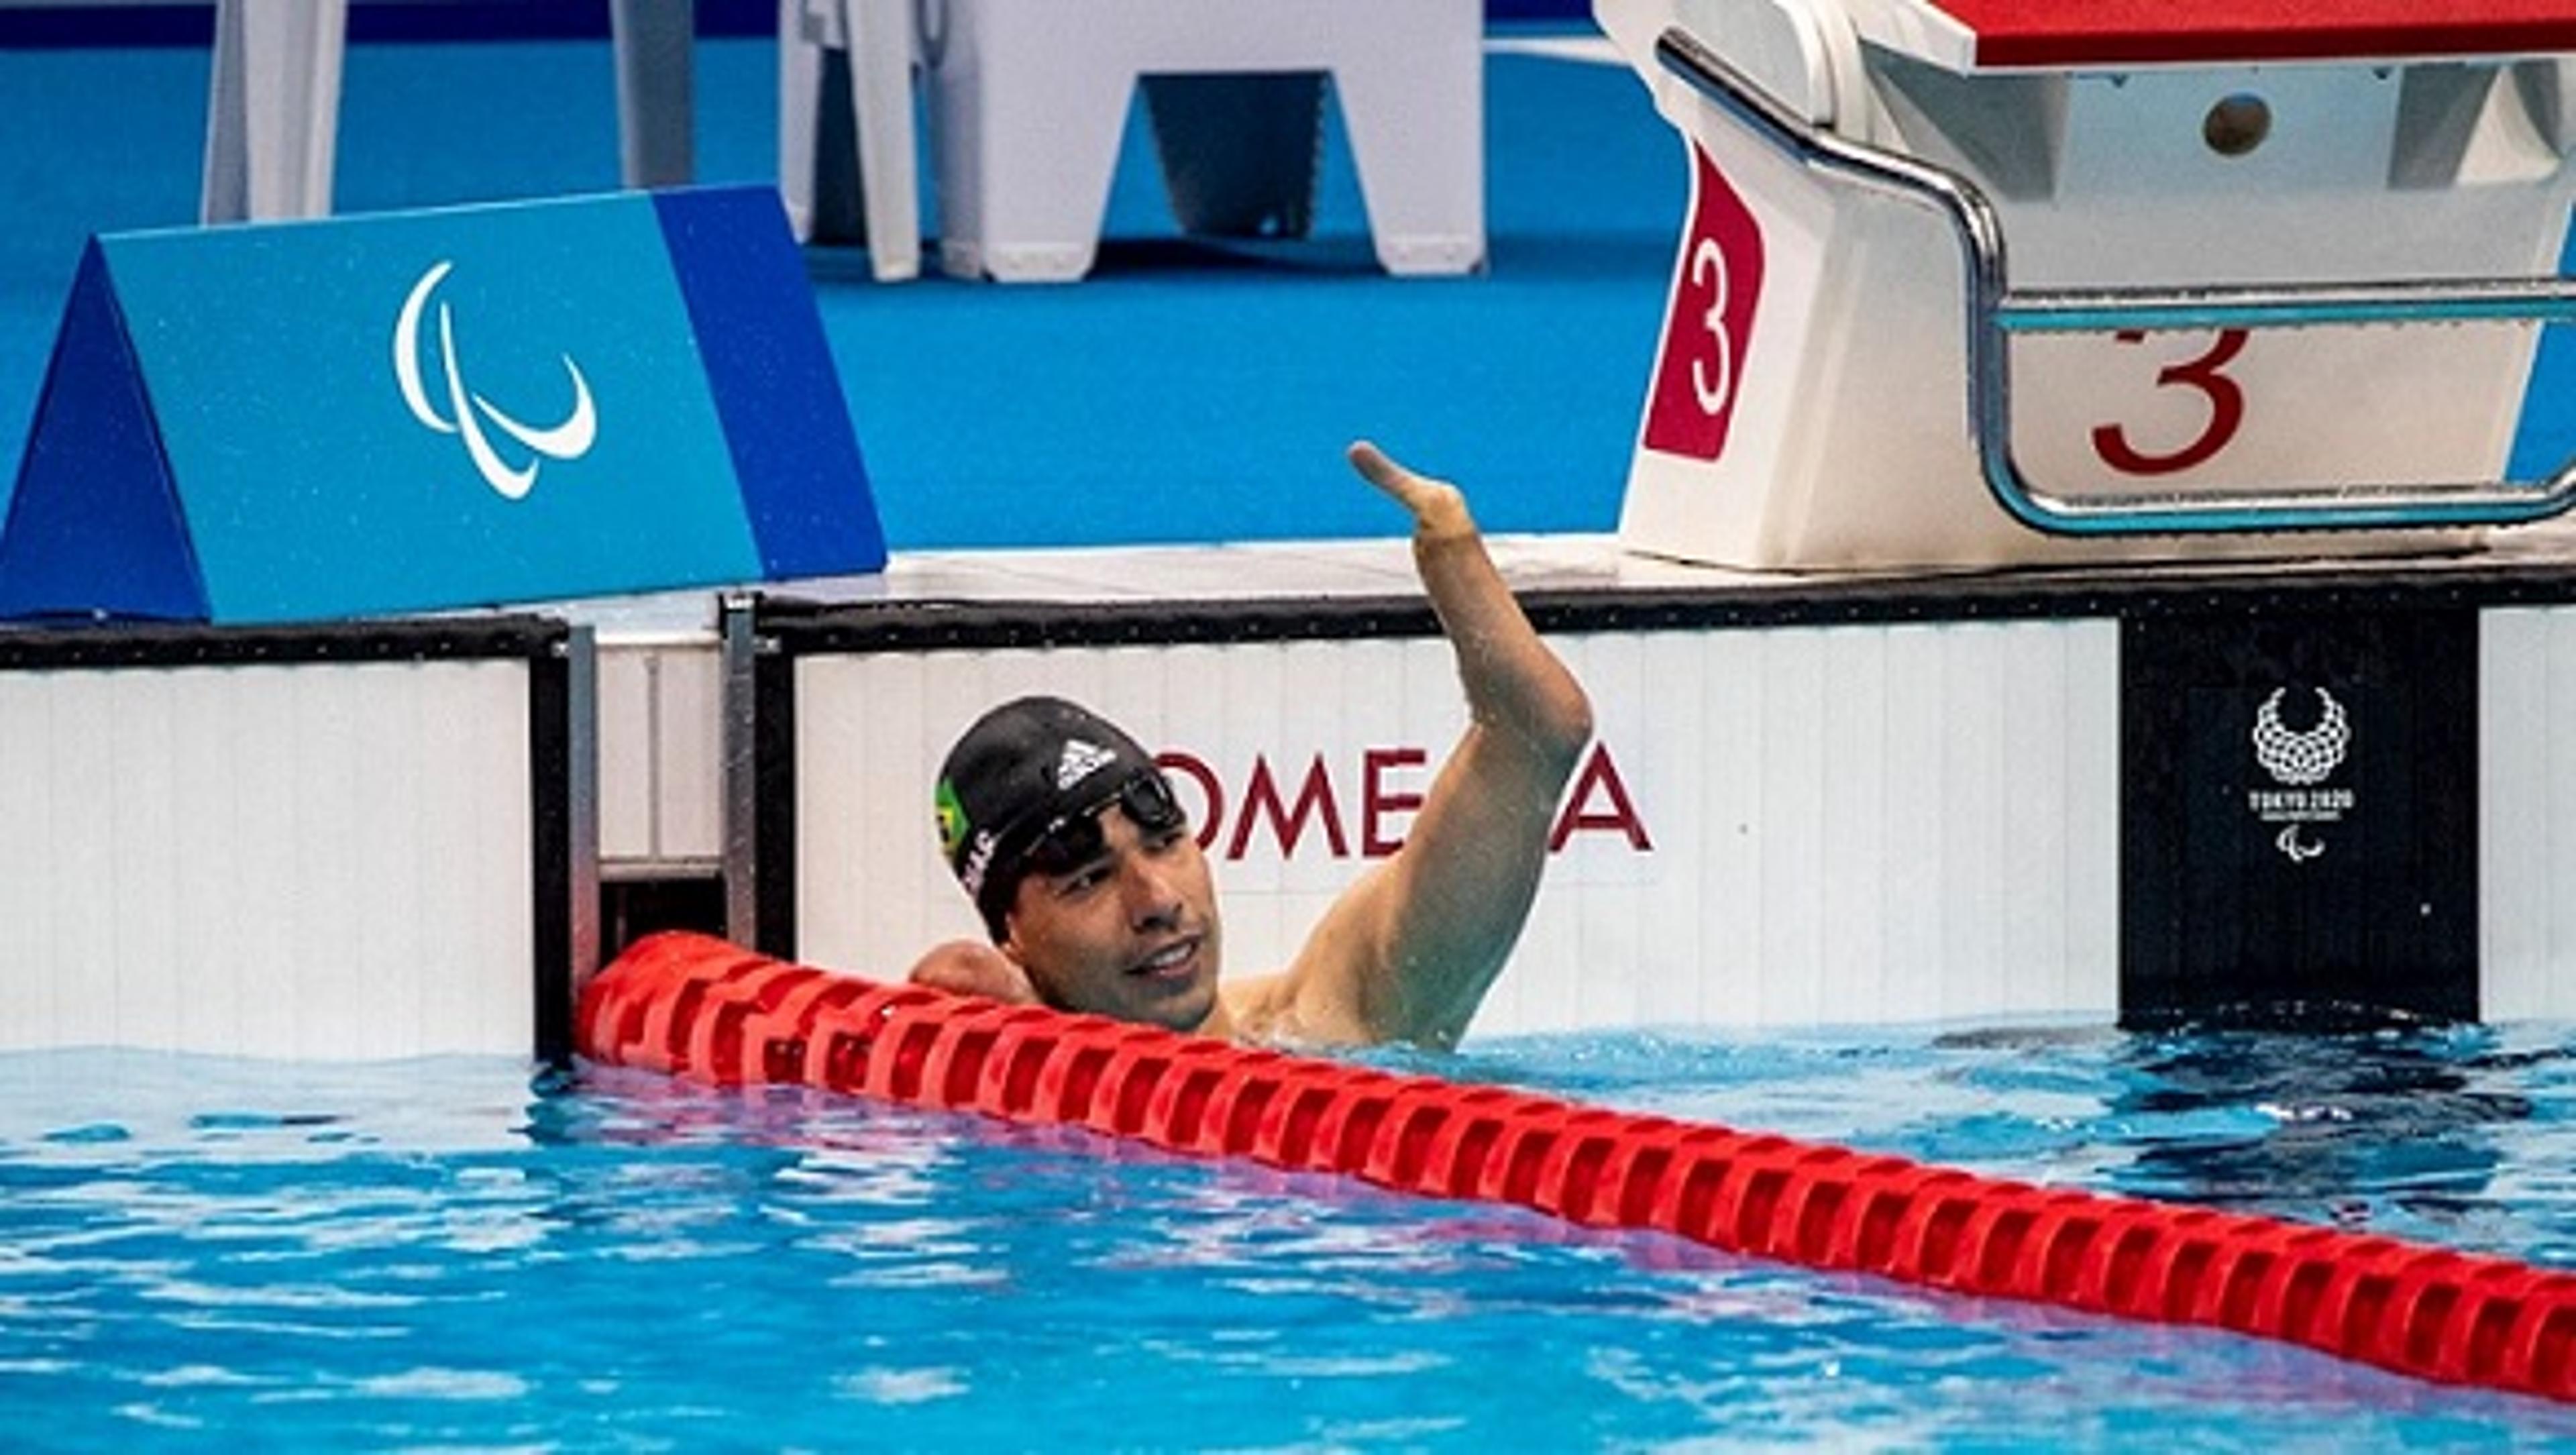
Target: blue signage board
point(429, 410)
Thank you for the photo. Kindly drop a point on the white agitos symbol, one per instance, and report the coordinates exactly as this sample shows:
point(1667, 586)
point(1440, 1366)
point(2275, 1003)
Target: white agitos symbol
point(1709, 258)
point(569, 440)
point(2299, 850)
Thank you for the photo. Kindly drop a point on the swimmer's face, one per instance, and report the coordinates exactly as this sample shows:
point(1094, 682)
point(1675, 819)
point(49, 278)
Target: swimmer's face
point(1128, 930)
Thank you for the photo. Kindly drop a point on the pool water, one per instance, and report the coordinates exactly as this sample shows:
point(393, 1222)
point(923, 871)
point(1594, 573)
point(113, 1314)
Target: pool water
point(460, 1254)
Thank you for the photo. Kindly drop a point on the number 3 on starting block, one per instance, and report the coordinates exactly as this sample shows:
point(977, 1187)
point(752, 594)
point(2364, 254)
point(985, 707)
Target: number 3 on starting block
point(1715, 288)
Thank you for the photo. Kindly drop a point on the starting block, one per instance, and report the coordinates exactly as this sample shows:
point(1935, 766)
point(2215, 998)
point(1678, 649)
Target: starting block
point(1029, 102)
point(2274, 266)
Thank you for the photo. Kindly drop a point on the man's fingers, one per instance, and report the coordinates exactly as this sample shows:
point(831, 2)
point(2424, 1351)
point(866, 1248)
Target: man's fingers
point(964, 967)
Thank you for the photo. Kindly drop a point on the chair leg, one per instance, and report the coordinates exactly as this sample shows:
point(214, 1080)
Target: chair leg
point(656, 106)
point(1416, 116)
point(802, 181)
point(273, 109)
point(881, 47)
point(1028, 122)
point(846, 170)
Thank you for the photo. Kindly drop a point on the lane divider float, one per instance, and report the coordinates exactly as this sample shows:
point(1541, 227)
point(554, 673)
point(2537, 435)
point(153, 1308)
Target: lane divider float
point(700, 1008)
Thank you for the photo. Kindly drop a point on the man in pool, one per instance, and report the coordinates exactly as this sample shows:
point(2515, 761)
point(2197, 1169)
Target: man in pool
point(1065, 834)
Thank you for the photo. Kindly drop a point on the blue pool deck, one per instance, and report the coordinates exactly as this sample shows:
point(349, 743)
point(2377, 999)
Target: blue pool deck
point(1186, 393)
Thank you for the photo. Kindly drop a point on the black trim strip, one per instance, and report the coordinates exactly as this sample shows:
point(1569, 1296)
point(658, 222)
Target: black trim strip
point(773, 737)
point(803, 627)
point(550, 808)
point(48, 648)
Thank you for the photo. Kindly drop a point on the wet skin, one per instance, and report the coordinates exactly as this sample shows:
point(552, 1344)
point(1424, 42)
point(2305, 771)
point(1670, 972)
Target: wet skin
point(1131, 932)
point(1407, 950)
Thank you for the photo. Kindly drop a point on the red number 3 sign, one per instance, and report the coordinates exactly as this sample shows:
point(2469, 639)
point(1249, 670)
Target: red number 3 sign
point(2204, 374)
point(1700, 375)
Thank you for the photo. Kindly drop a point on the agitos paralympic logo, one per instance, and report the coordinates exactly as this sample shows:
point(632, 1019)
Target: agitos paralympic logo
point(1363, 808)
point(467, 412)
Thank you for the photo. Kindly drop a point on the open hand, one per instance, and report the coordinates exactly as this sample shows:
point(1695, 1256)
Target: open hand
point(965, 967)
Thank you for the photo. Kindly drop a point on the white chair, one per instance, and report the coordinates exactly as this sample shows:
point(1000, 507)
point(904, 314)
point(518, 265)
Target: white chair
point(845, 110)
point(1029, 101)
point(273, 103)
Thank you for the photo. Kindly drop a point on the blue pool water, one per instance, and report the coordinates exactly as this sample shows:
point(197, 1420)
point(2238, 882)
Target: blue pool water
point(456, 1254)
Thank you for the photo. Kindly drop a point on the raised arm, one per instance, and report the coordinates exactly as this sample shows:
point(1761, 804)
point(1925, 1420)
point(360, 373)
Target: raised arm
point(1408, 951)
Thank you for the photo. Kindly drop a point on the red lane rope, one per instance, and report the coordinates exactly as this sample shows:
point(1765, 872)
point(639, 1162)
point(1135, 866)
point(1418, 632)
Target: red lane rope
point(697, 1007)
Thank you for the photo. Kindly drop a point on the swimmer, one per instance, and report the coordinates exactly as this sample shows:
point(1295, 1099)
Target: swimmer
point(1097, 897)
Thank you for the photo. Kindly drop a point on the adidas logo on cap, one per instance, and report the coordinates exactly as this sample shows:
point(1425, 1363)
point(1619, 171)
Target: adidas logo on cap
point(1079, 761)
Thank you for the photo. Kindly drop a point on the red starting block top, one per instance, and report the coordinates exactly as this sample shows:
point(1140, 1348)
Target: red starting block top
point(2073, 34)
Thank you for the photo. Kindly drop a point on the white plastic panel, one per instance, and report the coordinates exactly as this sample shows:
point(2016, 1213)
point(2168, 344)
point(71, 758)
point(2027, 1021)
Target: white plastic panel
point(311, 862)
point(1851, 825)
point(1778, 827)
point(627, 760)
point(661, 761)
point(688, 783)
point(2527, 814)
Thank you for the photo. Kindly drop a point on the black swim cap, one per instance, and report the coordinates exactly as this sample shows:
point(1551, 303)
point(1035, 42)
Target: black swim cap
point(1022, 767)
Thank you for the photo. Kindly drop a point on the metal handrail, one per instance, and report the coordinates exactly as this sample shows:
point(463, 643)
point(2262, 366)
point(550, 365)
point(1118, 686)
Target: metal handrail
point(1994, 313)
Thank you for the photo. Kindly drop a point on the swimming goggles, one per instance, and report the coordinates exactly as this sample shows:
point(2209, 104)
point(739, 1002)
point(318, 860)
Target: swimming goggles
point(1069, 841)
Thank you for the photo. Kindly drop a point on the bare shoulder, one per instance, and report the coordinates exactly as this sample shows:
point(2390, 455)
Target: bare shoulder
point(1319, 999)
point(1260, 1008)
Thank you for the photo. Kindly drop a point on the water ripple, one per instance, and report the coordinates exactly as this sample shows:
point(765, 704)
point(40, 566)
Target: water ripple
point(425, 1259)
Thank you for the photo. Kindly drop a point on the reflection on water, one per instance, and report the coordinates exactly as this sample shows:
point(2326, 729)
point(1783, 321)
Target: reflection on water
point(464, 1255)
point(2414, 1121)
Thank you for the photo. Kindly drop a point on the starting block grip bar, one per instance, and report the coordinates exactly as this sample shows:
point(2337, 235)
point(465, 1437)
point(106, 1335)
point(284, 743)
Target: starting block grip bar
point(1994, 313)
point(2472, 300)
